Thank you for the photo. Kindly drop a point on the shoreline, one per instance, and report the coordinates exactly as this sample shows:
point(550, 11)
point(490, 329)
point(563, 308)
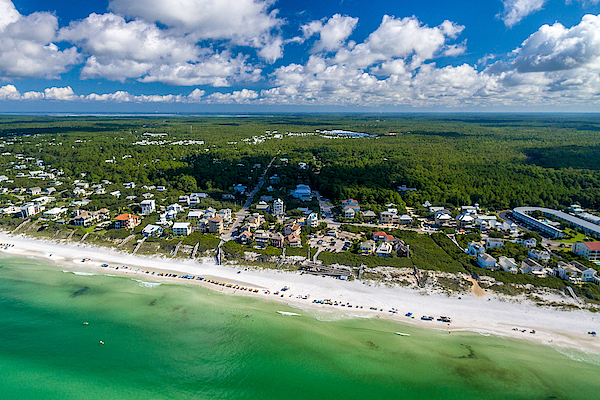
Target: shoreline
point(491, 314)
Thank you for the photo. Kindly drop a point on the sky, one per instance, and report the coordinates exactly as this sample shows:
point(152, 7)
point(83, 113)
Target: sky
point(299, 56)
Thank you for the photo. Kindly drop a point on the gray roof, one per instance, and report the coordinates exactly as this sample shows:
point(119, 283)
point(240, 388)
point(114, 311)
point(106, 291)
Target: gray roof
point(561, 215)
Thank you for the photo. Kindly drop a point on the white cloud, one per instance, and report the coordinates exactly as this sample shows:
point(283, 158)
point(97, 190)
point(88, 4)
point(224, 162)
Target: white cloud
point(554, 47)
point(26, 45)
point(332, 34)
point(9, 92)
point(239, 96)
point(8, 13)
point(243, 22)
point(121, 50)
point(59, 93)
point(516, 10)
point(399, 38)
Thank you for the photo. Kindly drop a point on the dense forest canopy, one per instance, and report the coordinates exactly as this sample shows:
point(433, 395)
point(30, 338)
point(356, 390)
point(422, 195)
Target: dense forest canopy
point(499, 161)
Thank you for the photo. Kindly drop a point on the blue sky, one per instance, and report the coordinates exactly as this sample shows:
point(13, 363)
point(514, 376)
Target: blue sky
point(263, 55)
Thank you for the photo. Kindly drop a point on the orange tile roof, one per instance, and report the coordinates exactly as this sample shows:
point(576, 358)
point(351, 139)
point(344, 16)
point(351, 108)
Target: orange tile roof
point(126, 217)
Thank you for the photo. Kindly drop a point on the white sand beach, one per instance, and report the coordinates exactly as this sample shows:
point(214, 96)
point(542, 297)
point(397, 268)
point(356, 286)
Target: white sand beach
point(488, 314)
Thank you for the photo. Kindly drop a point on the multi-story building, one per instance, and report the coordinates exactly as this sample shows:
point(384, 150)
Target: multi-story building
point(278, 207)
point(181, 229)
point(589, 250)
point(148, 206)
point(215, 225)
point(127, 221)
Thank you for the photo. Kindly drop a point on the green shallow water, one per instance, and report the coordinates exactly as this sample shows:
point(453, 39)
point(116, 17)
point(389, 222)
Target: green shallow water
point(186, 342)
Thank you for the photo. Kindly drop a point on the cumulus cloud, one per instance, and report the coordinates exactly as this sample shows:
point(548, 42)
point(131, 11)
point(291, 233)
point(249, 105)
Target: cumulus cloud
point(399, 38)
point(516, 10)
point(120, 50)
point(332, 34)
point(243, 22)
point(26, 45)
point(555, 47)
point(9, 92)
point(238, 96)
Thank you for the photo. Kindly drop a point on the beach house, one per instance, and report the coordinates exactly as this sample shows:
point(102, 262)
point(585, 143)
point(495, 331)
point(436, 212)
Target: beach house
point(508, 264)
point(152, 230)
point(485, 261)
point(215, 225)
point(302, 192)
point(127, 221)
point(181, 229)
point(367, 247)
point(148, 206)
point(278, 207)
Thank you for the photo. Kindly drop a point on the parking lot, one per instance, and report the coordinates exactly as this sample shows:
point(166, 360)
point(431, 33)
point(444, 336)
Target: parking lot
point(331, 243)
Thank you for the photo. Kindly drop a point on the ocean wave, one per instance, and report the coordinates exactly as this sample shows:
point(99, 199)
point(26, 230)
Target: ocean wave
point(83, 273)
point(288, 313)
point(580, 355)
point(149, 285)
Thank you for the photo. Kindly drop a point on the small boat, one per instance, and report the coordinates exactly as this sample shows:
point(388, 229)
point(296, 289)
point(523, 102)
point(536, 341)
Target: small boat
point(402, 334)
point(101, 342)
point(86, 323)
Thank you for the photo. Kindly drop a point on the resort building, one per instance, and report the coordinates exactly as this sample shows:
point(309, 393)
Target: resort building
point(442, 217)
point(589, 250)
point(521, 214)
point(256, 220)
point(569, 272)
point(529, 266)
point(181, 229)
point(244, 237)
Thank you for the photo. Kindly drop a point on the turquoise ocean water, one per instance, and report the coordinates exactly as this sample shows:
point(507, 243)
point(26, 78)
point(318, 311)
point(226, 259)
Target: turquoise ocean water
point(186, 342)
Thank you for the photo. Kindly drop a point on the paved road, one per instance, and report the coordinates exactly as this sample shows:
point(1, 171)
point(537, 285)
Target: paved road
point(241, 214)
